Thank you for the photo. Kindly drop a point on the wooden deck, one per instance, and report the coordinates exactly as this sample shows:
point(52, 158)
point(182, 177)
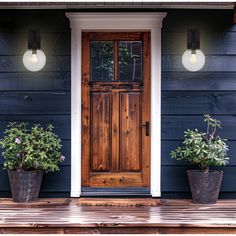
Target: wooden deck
point(65, 216)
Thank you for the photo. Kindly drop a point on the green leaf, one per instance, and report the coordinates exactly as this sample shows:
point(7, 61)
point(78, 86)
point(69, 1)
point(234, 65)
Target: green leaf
point(203, 148)
point(40, 148)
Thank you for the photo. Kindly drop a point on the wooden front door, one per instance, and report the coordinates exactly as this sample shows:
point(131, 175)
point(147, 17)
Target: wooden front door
point(115, 109)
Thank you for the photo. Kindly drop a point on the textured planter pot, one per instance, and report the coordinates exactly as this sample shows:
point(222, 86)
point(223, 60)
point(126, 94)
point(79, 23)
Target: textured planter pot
point(25, 185)
point(205, 186)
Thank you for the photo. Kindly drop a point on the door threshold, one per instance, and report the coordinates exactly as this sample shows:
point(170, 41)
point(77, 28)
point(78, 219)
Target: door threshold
point(117, 192)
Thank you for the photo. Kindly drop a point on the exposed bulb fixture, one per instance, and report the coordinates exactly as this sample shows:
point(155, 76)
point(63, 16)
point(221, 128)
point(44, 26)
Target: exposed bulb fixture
point(34, 58)
point(193, 58)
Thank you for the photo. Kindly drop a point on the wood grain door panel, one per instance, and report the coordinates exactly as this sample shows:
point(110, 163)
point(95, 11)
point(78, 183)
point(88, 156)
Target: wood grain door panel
point(116, 180)
point(115, 145)
point(130, 131)
point(100, 131)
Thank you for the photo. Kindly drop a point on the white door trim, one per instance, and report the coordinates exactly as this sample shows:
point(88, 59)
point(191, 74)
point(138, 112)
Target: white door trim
point(80, 22)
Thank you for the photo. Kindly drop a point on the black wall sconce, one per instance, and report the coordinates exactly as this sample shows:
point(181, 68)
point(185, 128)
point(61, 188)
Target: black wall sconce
point(34, 58)
point(193, 58)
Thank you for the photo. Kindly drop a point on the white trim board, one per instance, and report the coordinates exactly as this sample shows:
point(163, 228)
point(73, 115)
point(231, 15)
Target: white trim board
point(80, 22)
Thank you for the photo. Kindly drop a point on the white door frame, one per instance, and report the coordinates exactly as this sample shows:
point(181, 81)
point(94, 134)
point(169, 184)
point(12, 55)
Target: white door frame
point(80, 22)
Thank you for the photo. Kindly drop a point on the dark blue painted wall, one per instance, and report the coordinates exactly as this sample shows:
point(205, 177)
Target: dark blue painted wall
point(49, 89)
point(185, 96)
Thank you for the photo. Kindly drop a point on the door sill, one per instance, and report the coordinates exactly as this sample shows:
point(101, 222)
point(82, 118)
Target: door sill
point(115, 192)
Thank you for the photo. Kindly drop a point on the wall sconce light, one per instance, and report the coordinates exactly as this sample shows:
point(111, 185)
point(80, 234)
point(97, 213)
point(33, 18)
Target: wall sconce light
point(34, 58)
point(193, 58)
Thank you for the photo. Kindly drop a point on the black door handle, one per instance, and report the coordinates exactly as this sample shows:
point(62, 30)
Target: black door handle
point(146, 125)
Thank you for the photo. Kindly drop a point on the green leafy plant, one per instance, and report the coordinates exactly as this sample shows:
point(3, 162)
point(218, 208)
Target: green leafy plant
point(34, 148)
point(203, 149)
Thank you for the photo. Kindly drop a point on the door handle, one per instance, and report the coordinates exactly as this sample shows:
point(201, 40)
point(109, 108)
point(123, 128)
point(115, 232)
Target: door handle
point(146, 125)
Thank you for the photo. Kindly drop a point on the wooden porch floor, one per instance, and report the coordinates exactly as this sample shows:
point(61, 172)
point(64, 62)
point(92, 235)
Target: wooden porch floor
point(65, 216)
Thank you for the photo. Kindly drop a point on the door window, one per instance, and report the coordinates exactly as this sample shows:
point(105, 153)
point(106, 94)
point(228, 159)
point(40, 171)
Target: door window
point(130, 61)
point(116, 61)
point(102, 60)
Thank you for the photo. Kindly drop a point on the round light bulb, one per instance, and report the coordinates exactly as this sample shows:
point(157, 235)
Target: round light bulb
point(193, 61)
point(34, 60)
point(193, 58)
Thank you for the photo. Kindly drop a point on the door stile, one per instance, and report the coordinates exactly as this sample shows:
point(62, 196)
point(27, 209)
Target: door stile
point(146, 110)
point(86, 121)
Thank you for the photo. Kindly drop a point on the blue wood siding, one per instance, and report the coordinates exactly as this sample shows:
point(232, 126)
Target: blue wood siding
point(41, 97)
point(44, 97)
point(187, 96)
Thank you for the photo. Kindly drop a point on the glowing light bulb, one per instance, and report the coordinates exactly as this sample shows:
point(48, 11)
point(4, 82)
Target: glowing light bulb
point(193, 58)
point(34, 60)
point(193, 61)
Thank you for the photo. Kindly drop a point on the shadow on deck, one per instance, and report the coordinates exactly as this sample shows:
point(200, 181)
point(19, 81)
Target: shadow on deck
point(66, 216)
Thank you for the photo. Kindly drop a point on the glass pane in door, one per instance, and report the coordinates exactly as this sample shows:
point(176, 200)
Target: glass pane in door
point(102, 61)
point(130, 61)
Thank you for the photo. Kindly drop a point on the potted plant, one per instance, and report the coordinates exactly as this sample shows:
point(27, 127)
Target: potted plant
point(204, 150)
point(27, 153)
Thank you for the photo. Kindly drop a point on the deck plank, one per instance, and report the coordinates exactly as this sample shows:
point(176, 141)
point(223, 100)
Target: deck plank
point(65, 216)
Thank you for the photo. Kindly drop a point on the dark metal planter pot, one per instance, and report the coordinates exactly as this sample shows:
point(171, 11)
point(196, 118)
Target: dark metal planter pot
point(25, 185)
point(205, 186)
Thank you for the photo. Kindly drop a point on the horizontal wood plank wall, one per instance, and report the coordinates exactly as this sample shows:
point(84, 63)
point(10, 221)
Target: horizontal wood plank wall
point(44, 97)
point(187, 96)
